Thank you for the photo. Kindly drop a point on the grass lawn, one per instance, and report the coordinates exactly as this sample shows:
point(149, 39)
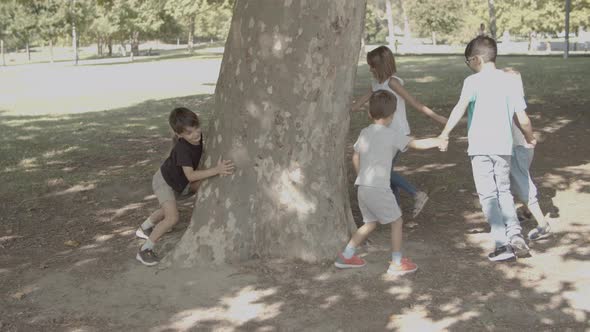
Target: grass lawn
point(78, 147)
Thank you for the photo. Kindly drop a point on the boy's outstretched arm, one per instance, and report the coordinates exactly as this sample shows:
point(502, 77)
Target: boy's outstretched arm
point(396, 86)
point(522, 121)
point(356, 106)
point(224, 167)
point(454, 118)
point(425, 143)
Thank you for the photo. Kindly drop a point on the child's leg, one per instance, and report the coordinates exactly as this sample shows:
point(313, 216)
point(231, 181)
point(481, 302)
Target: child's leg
point(522, 183)
point(362, 234)
point(485, 184)
point(396, 180)
point(170, 219)
point(399, 265)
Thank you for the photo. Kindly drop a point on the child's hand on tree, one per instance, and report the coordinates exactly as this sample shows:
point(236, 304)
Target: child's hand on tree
point(224, 167)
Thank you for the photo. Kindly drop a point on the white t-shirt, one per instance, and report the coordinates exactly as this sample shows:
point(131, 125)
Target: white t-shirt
point(377, 145)
point(493, 96)
point(520, 106)
point(400, 121)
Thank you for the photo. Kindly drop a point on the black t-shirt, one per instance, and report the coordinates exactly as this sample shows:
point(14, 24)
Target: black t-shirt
point(183, 154)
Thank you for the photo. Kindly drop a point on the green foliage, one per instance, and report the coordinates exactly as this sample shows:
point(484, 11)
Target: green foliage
point(442, 16)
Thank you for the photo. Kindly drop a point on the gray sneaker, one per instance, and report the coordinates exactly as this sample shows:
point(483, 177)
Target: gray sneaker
point(519, 246)
point(144, 233)
point(539, 233)
point(503, 253)
point(147, 257)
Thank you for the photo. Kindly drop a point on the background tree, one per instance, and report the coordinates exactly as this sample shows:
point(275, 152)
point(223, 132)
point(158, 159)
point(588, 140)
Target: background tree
point(432, 17)
point(51, 22)
point(23, 24)
point(281, 114)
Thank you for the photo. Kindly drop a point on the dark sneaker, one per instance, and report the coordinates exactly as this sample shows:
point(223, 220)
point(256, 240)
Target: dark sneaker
point(147, 257)
point(144, 233)
point(502, 253)
point(519, 246)
point(539, 233)
point(524, 215)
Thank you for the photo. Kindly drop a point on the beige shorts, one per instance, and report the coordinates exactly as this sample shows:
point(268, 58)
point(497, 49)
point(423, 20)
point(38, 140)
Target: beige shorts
point(378, 205)
point(165, 193)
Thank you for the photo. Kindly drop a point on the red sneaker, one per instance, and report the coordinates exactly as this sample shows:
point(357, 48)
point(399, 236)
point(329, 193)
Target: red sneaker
point(352, 262)
point(407, 266)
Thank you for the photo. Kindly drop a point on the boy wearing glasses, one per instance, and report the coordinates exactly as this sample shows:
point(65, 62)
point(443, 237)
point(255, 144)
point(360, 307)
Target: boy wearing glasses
point(492, 99)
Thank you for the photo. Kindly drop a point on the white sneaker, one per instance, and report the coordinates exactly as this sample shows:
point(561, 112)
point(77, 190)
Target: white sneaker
point(419, 201)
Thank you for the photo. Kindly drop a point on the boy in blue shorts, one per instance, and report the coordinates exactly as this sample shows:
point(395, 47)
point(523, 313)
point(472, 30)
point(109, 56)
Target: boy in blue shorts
point(492, 98)
point(372, 159)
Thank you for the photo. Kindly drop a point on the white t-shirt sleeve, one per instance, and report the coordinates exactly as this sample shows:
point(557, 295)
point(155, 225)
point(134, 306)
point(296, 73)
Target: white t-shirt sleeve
point(400, 142)
point(361, 142)
point(466, 91)
point(518, 101)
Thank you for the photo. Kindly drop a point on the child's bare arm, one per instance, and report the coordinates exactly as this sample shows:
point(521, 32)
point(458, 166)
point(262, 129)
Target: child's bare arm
point(425, 143)
point(356, 106)
point(396, 86)
point(356, 162)
point(456, 115)
point(522, 121)
point(224, 167)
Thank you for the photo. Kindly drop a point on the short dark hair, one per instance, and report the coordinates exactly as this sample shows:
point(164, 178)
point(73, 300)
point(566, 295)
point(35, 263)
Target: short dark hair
point(483, 46)
point(181, 118)
point(382, 104)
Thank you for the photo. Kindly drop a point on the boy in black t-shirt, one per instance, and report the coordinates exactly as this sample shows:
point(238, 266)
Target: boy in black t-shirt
point(176, 179)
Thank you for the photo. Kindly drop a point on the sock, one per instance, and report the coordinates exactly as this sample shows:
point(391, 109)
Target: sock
point(396, 257)
point(348, 251)
point(147, 245)
point(147, 224)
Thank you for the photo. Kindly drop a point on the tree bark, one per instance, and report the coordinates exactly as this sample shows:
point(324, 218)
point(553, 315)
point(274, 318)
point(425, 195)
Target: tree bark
point(492, 12)
point(50, 50)
point(191, 34)
point(389, 15)
point(135, 43)
point(282, 115)
point(28, 52)
point(2, 51)
point(110, 46)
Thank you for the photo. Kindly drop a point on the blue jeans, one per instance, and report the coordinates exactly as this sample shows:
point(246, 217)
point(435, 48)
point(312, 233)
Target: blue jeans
point(491, 174)
point(396, 181)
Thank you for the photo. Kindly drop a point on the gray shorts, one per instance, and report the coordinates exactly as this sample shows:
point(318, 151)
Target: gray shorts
point(165, 193)
point(521, 183)
point(378, 205)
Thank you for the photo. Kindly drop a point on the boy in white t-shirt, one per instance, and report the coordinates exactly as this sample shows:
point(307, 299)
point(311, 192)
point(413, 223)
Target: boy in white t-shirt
point(491, 98)
point(521, 182)
point(372, 158)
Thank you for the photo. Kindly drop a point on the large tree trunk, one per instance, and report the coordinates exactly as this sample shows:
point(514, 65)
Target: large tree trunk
point(282, 115)
point(492, 12)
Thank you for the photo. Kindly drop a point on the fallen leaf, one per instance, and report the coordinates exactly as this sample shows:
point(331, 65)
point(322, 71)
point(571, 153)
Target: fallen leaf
point(72, 243)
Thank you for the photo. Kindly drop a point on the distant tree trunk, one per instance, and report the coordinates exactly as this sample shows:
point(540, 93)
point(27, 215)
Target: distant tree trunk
point(492, 11)
point(75, 43)
point(566, 51)
point(123, 49)
point(433, 35)
point(389, 15)
point(99, 46)
point(407, 32)
point(28, 52)
point(281, 114)
point(135, 43)
point(191, 34)
point(50, 50)
point(2, 51)
point(110, 46)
